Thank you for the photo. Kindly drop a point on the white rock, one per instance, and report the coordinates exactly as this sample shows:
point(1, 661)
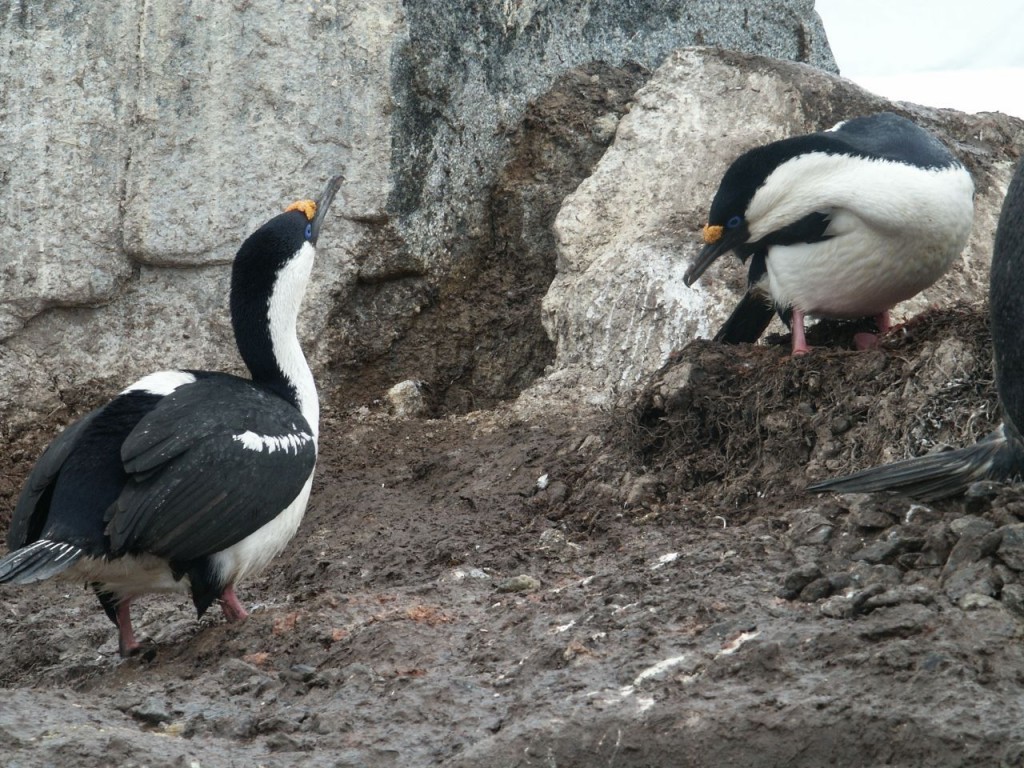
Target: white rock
point(618, 306)
point(406, 399)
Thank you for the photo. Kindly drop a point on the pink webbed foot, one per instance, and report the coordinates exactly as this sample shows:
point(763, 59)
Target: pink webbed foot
point(866, 340)
point(229, 603)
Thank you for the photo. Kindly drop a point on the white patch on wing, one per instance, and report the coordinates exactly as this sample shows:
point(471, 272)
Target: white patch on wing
point(290, 443)
point(161, 382)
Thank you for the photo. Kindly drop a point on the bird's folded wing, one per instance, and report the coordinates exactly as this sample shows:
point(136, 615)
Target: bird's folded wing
point(812, 228)
point(211, 464)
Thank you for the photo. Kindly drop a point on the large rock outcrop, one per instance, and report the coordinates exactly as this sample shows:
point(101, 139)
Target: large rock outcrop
point(140, 144)
point(618, 306)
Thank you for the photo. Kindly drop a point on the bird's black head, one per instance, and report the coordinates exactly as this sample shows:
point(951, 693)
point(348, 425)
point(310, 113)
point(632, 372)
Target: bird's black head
point(281, 238)
point(271, 270)
point(277, 242)
point(727, 228)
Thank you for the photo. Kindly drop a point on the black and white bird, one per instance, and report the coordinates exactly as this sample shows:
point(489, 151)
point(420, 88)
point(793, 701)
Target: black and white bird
point(840, 224)
point(1000, 455)
point(188, 480)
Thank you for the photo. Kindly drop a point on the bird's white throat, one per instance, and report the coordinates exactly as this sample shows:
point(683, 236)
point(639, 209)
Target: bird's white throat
point(282, 313)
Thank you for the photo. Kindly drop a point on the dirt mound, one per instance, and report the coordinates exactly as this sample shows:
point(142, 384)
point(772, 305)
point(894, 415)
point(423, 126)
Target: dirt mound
point(729, 429)
point(635, 588)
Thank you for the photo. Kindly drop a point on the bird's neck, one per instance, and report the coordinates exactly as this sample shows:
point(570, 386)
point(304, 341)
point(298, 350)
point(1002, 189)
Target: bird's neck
point(266, 333)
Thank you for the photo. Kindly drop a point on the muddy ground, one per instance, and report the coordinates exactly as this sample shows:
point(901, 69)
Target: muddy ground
point(647, 586)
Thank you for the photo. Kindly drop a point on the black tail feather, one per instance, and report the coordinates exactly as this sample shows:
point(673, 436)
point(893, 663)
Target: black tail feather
point(748, 321)
point(39, 560)
point(937, 475)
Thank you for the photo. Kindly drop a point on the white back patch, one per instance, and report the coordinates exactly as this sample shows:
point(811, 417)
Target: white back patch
point(161, 382)
point(289, 443)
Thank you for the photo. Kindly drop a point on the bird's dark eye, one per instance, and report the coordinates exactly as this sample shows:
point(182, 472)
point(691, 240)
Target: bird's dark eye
point(734, 222)
point(309, 230)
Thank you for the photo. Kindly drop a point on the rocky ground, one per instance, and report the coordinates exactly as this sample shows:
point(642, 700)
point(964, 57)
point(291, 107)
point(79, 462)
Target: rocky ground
point(647, 586)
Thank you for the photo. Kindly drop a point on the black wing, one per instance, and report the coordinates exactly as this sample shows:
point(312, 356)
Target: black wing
point(892, 137)
point(748, 321)
point(212, 463)
point(812, 228)
point(30, 512)
point(753, 314)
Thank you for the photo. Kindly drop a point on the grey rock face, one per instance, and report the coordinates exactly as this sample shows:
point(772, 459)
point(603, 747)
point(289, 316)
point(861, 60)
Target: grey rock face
point(140, 144)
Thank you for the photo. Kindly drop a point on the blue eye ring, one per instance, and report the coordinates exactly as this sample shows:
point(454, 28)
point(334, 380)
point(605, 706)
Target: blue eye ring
point(734, 222)
point(309, 230)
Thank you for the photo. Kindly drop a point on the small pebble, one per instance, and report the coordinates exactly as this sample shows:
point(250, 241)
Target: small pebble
point(461, 574)
point(975, 542)
point(810, 528)
point(406, 399)
point(521, 583)
point(921, 515)
point(839, 581)
point(938, 543)
point(817, 590)
point(914, 593)
point(846, 606)
point(871, 518)
point(887, 550)
point(971, 525)
point(864, 575)
point(151, 711)
point(837, 607)
point(972, 578)
point(302, 672)
point(974, 601)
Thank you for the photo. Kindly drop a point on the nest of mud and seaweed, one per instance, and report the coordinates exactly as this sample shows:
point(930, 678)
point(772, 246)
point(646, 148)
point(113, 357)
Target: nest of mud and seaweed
point(732, 427)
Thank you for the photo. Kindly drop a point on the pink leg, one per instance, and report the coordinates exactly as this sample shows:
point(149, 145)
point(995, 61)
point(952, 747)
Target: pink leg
point(126, 642)
point(799, 340)
point(233, 609)
point(884, 322)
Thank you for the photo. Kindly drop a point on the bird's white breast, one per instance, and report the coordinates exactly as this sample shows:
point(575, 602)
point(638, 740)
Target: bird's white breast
point(895, 229)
